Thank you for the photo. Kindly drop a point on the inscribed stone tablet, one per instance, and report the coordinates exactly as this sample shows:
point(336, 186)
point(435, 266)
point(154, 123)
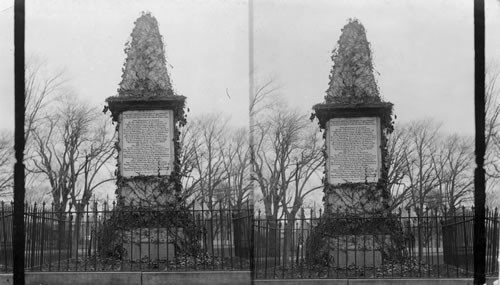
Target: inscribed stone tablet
point(353, 146)
point(146, 142)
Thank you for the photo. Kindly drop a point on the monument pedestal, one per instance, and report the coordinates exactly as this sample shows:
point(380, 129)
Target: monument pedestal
point(156, 243)
point(356, 123)
point(148, 114)
point(357, 227)
point(356, 172)
point(148, 168)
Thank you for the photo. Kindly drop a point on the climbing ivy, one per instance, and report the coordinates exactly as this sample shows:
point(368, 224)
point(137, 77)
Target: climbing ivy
point(351, 77)
point(145, 68)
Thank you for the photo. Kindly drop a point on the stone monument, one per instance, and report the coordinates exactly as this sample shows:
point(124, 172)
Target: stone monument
point(148, 115)
point(151, 216)
point(356, 122)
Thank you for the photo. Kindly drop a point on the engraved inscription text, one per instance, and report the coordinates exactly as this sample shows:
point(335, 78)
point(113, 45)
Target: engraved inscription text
point(146, 143)
point(353, 150)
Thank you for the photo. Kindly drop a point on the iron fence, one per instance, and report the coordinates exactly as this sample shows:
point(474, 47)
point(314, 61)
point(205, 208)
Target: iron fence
point(108, 238)
point(403, 244)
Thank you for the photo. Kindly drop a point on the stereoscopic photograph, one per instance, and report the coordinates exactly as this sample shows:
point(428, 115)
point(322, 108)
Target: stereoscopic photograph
point(249, 142)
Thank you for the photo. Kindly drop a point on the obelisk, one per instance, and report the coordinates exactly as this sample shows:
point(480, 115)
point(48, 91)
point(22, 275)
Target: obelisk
point(148, 114)
point(356, 122)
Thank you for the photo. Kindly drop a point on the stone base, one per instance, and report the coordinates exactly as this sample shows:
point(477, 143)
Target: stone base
point(156, 243)
point(153, 251)
point(153, 235)
point(347, 239)
point(344, 259)
point(356, 198)
point(348, 250)
point(149, 192)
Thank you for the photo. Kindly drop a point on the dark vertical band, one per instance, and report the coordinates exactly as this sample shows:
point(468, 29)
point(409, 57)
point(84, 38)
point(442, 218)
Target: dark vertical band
point(251, 82)
point(479, 174)
point(18, 231)
point(18, 227)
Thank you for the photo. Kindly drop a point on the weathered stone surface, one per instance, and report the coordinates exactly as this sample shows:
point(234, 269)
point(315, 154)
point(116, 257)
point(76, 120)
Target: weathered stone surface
point(149, 116)
point(351, 78)
point(359, 198)
point(146, 143)
point(147, 191)
point(353, 146)
point(355, 190)
point(145, 68)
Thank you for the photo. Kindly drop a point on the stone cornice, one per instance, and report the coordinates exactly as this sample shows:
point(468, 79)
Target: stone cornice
point(327, 111)
point(119, 104)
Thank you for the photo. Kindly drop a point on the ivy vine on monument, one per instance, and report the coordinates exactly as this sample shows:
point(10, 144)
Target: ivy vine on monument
point(146, 82)
point(351, 77)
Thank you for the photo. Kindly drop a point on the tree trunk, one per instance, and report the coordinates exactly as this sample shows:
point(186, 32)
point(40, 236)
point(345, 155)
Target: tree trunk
point(288, 243)
point(76, 240)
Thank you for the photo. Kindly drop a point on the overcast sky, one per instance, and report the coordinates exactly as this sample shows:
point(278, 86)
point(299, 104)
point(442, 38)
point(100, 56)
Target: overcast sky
point(423, 50)
point(206, 48)
point(423, 54)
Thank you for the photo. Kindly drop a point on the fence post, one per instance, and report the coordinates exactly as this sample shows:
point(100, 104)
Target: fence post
point(87, 242)
point(465, 241)
point(4, 237)
point(221, 232)
point(428, 237)
point(495, 241)
point(68, 241)
point(436, 224)
point(33, 236)
point(43, 236)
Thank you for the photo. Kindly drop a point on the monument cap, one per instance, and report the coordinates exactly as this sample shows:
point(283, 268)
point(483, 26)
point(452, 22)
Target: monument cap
point(145, 71)
point(351, 77)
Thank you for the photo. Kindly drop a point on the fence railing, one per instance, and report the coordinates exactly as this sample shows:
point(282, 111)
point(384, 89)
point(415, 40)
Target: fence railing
point(405, 244)
point(109, 238)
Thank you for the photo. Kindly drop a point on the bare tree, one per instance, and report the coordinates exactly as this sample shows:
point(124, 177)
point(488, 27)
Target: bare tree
point(6, 164)
point(307, 160)
point(190, 144)
point(215, 163)
point(419, 162)
point(70, 152)
point(286, 152)
point(492, 133)
point(236, 163)
point(207, 156)
point(40, 85)
point(398, 147)
point(40, 88)
point(453, 164)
